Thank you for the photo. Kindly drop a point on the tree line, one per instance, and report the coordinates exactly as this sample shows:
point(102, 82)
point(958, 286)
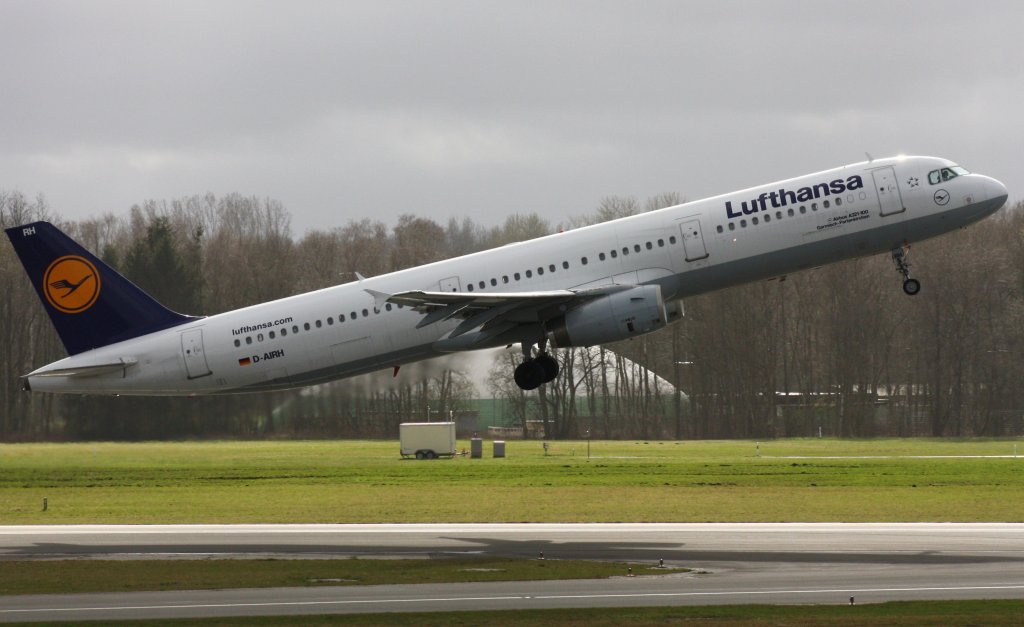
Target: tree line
point(839, 350)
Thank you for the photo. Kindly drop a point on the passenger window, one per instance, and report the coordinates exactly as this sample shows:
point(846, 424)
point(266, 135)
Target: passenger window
point(551, 267)
point(672, 240)
point(272, 335)
point(839, 201)
point(753, 220)
point(482, 285)
point(719, 228)
point(803, 209)
point(284, 332)
point(494, 282)
point(365, 313)
point(248, 339)
point(732, 226)
point(295, 328)
point(238, 343)
point(319, 324)
point(516, 276)
point(826, 204)
point(330, 320)
point(259, 337)
point(814, 206)
point(306, 326)
point(625, 251)
point(649, 246)
point(661, 243)
point(583, 260)
point(636, 248)
point(743, 223)
point(353, 315)
point(504, 279)
point(789, 212)
point(778, 215)
point(388, 305)
point(540, 271)
point(470, 287)
point(767, 217)
point(565, 265)
point(615, 254)
point(529, 274)
point(601, 256)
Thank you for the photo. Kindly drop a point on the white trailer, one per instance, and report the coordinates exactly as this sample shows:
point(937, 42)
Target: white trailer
point(427, 440)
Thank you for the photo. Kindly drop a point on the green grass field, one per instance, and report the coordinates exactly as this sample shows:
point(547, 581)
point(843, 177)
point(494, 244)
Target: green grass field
point(366, 481)
point(943, 613)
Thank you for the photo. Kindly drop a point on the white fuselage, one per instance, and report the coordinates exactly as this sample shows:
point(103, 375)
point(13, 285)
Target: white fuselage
point(688, 249)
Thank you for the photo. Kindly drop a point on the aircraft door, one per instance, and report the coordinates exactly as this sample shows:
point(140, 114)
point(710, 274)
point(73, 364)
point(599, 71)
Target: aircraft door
point(195, 356)
point(451, 284)
point(889, 199)
point(693, 240)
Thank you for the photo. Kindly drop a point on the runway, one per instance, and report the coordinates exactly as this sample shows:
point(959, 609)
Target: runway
point(734, 563)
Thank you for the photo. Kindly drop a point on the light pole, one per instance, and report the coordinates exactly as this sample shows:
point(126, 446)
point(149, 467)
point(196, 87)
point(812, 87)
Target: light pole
point(588, 444)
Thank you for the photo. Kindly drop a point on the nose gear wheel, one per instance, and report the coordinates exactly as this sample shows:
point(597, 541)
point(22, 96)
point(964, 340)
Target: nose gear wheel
point(899, 257)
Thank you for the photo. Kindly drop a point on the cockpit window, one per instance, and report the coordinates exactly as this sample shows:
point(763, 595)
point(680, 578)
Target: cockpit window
point(946, 174)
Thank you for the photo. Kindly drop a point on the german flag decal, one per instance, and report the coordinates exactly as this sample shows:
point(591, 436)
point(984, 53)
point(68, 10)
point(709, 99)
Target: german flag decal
point(245, 361)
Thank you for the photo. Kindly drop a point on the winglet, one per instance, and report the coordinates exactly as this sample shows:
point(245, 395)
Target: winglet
point(379, 298)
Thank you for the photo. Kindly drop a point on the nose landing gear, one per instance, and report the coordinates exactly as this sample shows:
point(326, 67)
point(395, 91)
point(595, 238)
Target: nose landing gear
point(534, 372)
point(899, 256)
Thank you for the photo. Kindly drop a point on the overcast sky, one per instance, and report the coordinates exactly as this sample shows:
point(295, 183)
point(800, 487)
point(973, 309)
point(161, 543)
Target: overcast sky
point(345, 110)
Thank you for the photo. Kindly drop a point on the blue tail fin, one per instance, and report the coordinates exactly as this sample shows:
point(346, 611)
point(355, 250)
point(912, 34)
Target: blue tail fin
point(89, 303)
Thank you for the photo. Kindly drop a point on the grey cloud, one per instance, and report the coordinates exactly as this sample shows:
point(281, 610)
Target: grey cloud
point(343, 110)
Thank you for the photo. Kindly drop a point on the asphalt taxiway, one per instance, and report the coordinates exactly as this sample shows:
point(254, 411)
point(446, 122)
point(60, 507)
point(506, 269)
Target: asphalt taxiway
point(733, 563)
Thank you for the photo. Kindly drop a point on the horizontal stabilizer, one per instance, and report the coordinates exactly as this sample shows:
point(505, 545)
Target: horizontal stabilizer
point(87, 369)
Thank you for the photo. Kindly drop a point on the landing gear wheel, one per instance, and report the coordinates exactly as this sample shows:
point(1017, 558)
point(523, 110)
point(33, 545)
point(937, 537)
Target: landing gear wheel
point(529, 375)
point(550, 366)
point(899, 257)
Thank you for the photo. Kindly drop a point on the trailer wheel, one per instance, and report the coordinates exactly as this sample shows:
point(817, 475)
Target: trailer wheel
point(431, 455)
point(419, 455)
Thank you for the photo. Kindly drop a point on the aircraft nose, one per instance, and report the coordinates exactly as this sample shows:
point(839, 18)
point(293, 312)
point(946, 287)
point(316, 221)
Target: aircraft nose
point(996, 191)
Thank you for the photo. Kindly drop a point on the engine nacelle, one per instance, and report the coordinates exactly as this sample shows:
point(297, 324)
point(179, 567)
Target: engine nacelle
point(610, 318)
point(674, 310)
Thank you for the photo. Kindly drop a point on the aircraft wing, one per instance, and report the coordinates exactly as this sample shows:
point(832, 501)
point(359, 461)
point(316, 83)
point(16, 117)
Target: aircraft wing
point(487, 310)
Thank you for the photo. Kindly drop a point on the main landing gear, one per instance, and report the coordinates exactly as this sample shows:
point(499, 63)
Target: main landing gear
point(899, 256)
point(534, 372)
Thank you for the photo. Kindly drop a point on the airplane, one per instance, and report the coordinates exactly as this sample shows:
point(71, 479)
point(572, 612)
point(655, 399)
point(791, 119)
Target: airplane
point(583, 287)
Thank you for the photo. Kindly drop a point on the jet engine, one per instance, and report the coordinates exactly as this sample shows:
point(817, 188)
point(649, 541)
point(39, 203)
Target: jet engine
point(614, 317)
